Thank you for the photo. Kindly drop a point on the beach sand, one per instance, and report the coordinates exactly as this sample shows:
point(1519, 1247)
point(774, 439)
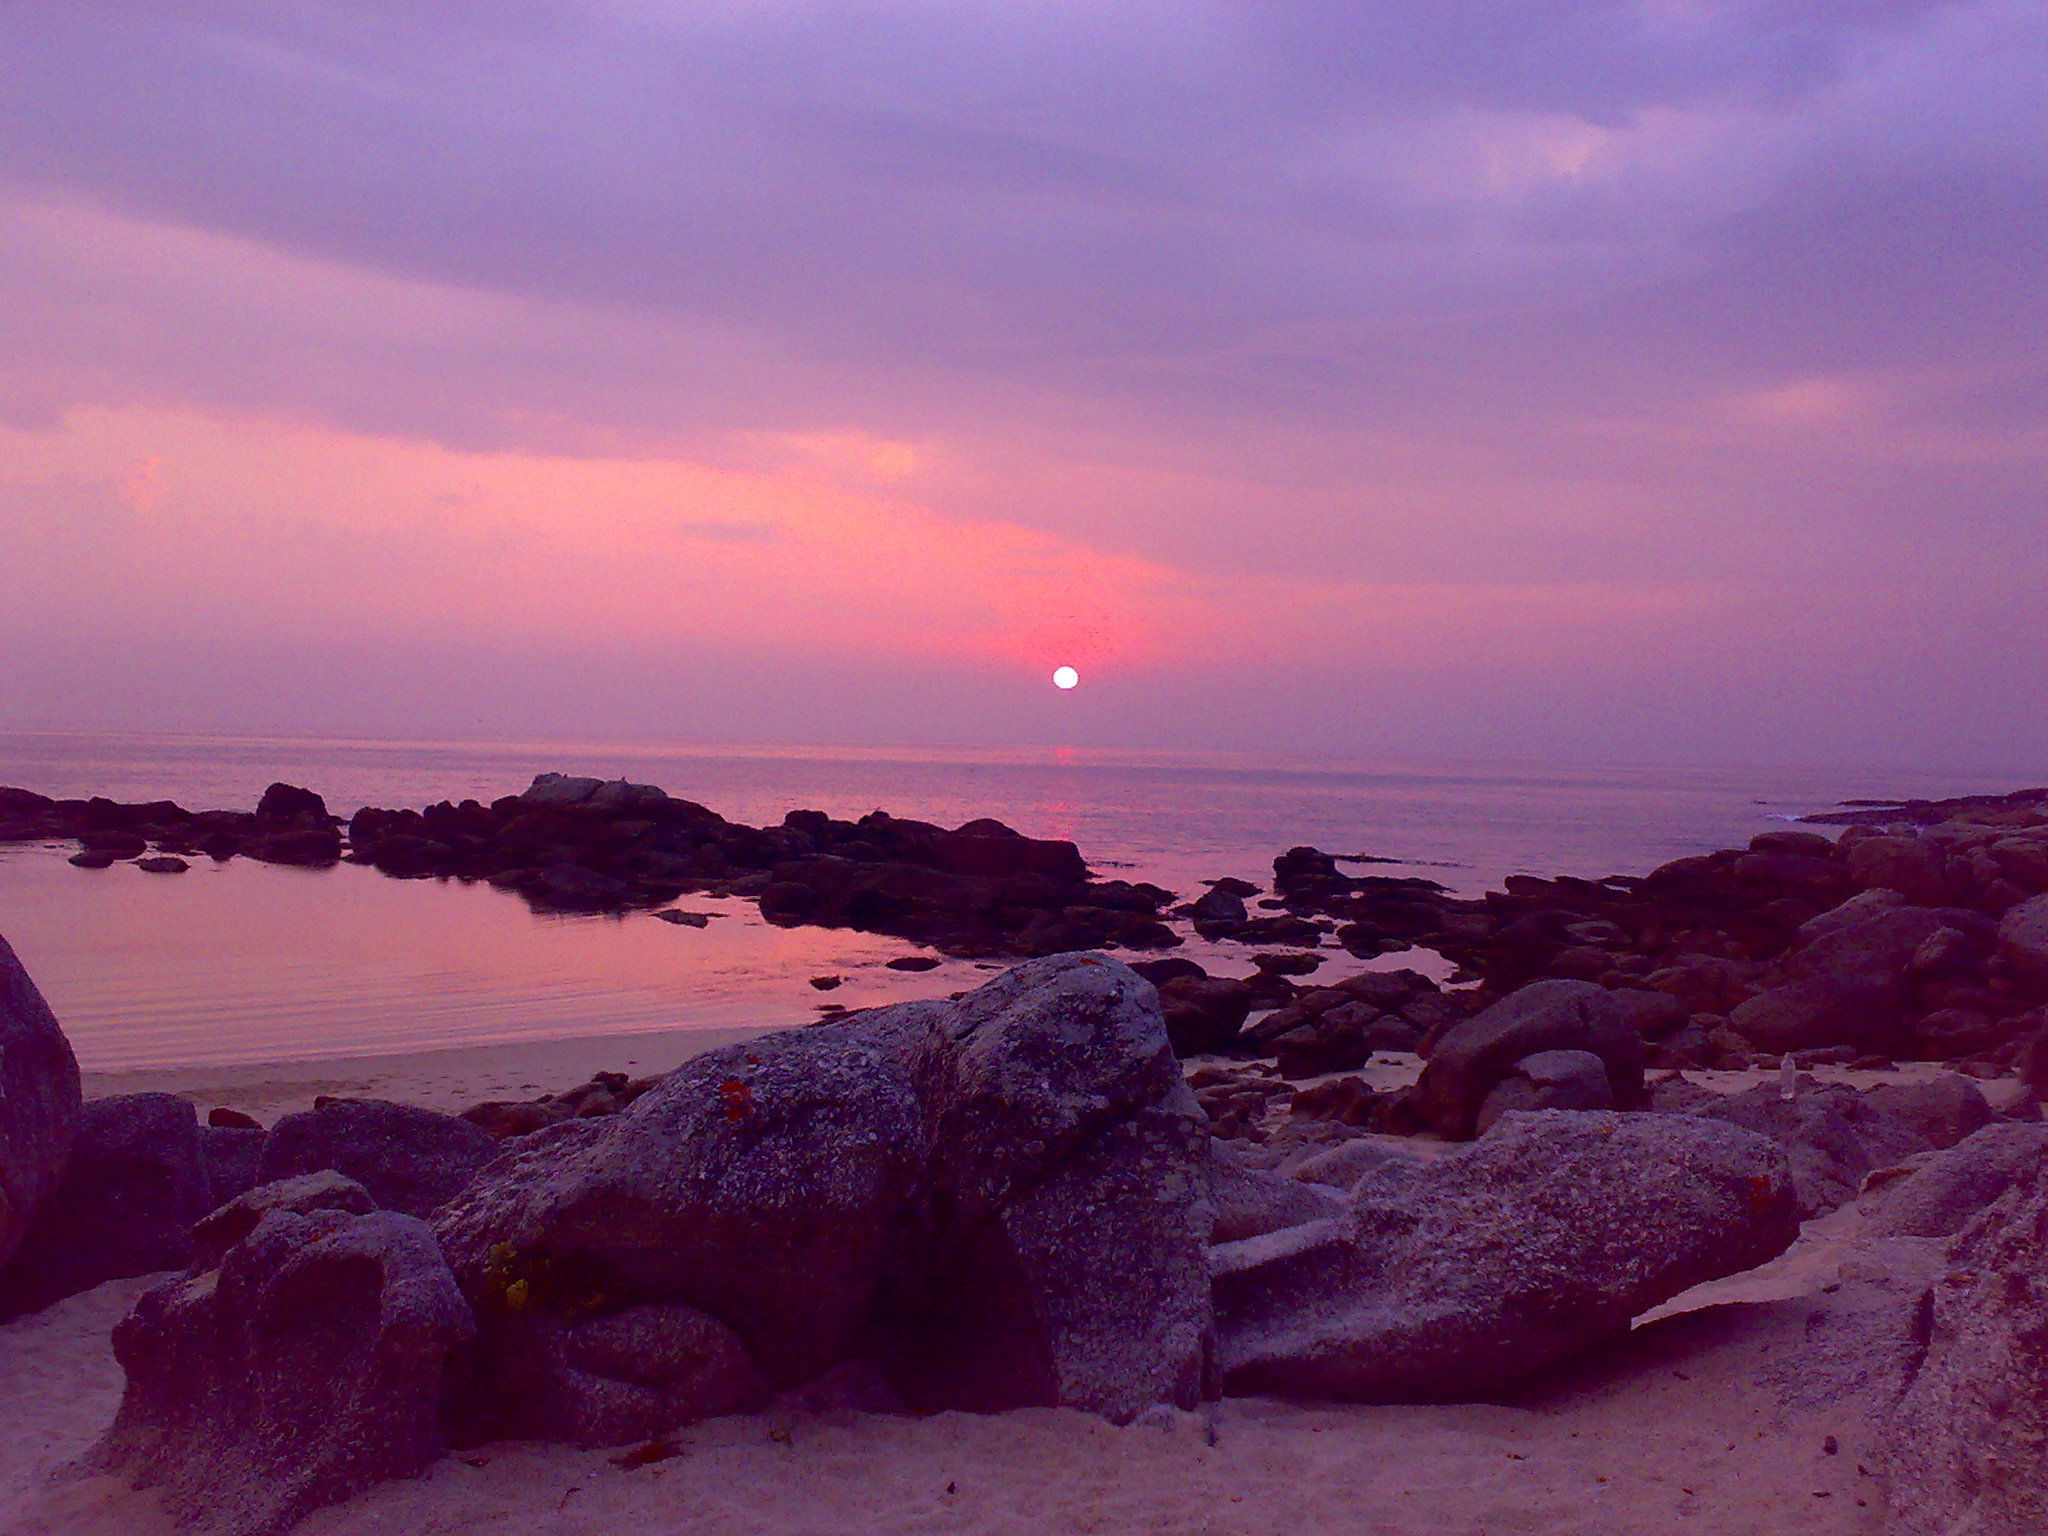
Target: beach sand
point(449, 1080)
point(1670, 1430)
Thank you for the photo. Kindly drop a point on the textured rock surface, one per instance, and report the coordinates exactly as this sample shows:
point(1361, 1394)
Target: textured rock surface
point(306, 1367)
point(1000, 1199)
point(409, 1159)
point(1473, 1055)
point(38, 1100)
point(1833, 1135)
point(327, 1190)
point(1456, 1279)
point(1966, 1448)
point(1252, 1201)
point(135, 1184)
point(1819, 1011)
point(1944, 1109)
point(1548, 1080)
point(1947, 1189)
point(2023, 937)
point(234, 1159)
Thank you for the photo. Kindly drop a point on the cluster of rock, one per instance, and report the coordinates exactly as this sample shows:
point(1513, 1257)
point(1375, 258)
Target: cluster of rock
point(587, 845)
point(1926, 940)
point(1005, 1200)
point(288, 826)
point(1921, 933)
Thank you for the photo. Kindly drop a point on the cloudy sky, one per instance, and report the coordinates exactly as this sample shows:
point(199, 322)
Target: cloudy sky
point(1647, 380)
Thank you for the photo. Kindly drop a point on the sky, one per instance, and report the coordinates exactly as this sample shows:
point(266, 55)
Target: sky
point(1566, 380)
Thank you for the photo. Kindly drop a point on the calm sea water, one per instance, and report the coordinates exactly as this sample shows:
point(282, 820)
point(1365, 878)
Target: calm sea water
point(249, 962)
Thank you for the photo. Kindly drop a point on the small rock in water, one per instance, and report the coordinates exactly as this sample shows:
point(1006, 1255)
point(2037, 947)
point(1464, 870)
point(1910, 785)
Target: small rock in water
point(1288, 964)
point(221, 1115)
point(684, 919)
point(912, 963)
point(827, 983)
point(162, 864)
point(93, 858)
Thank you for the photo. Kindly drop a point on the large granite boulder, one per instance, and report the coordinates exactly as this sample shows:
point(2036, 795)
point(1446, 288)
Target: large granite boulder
point(135, 1184)
point(1946, 1189)
point(304, 1367)
point(234, 1160)
point(1815, 1012)
point(1548, 1080)
point(1473, 1055)
point(410, 1159)
point(1456, 1279)
point(1966, 1447)
point(1946, 1108)
point(2023, 938)
point(1833, 1135)
point(998, 1201)
point(38, 1100)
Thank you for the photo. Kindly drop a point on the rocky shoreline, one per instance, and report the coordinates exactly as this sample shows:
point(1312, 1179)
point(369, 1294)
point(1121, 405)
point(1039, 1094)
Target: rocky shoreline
point(1120, 1189)
point(1919, 933)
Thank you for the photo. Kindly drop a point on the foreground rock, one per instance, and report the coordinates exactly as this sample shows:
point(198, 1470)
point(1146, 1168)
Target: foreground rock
point(993, 1203)
point(136, 1182)
point(39, 1101)
point(1456, 1280)
point(1966, 1449)
point(1943, 1191)
point(304, 1366)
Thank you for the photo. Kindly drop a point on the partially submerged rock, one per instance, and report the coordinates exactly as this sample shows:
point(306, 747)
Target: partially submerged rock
point(39, 1101)
point(1454, 1280)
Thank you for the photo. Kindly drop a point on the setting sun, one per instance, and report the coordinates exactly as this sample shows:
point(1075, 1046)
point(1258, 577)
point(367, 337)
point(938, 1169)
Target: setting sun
point(1065, 677)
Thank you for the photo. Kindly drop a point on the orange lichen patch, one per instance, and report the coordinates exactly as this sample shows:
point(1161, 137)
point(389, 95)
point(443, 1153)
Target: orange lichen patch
point(735, 1098)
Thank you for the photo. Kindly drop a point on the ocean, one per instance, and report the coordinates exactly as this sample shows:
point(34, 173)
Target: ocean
point(246, 962)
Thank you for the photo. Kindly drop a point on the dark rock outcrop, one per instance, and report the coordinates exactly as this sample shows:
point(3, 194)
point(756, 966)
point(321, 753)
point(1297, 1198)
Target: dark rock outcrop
point(39, 1100)
point(135, 1183)
point(1945, 1109)
point(304, 1367)
point(234, 1159)
point(410, 1159)
point(1204, 1014)
point(1472, 1057)
point(1455, 1280)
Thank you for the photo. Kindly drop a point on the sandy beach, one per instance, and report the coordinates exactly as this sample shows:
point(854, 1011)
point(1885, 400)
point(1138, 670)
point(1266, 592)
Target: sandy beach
point(449, 1080)
point(1669, 1431)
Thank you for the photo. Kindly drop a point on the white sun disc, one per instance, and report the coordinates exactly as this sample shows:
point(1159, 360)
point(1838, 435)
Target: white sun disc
point(1065, 677)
